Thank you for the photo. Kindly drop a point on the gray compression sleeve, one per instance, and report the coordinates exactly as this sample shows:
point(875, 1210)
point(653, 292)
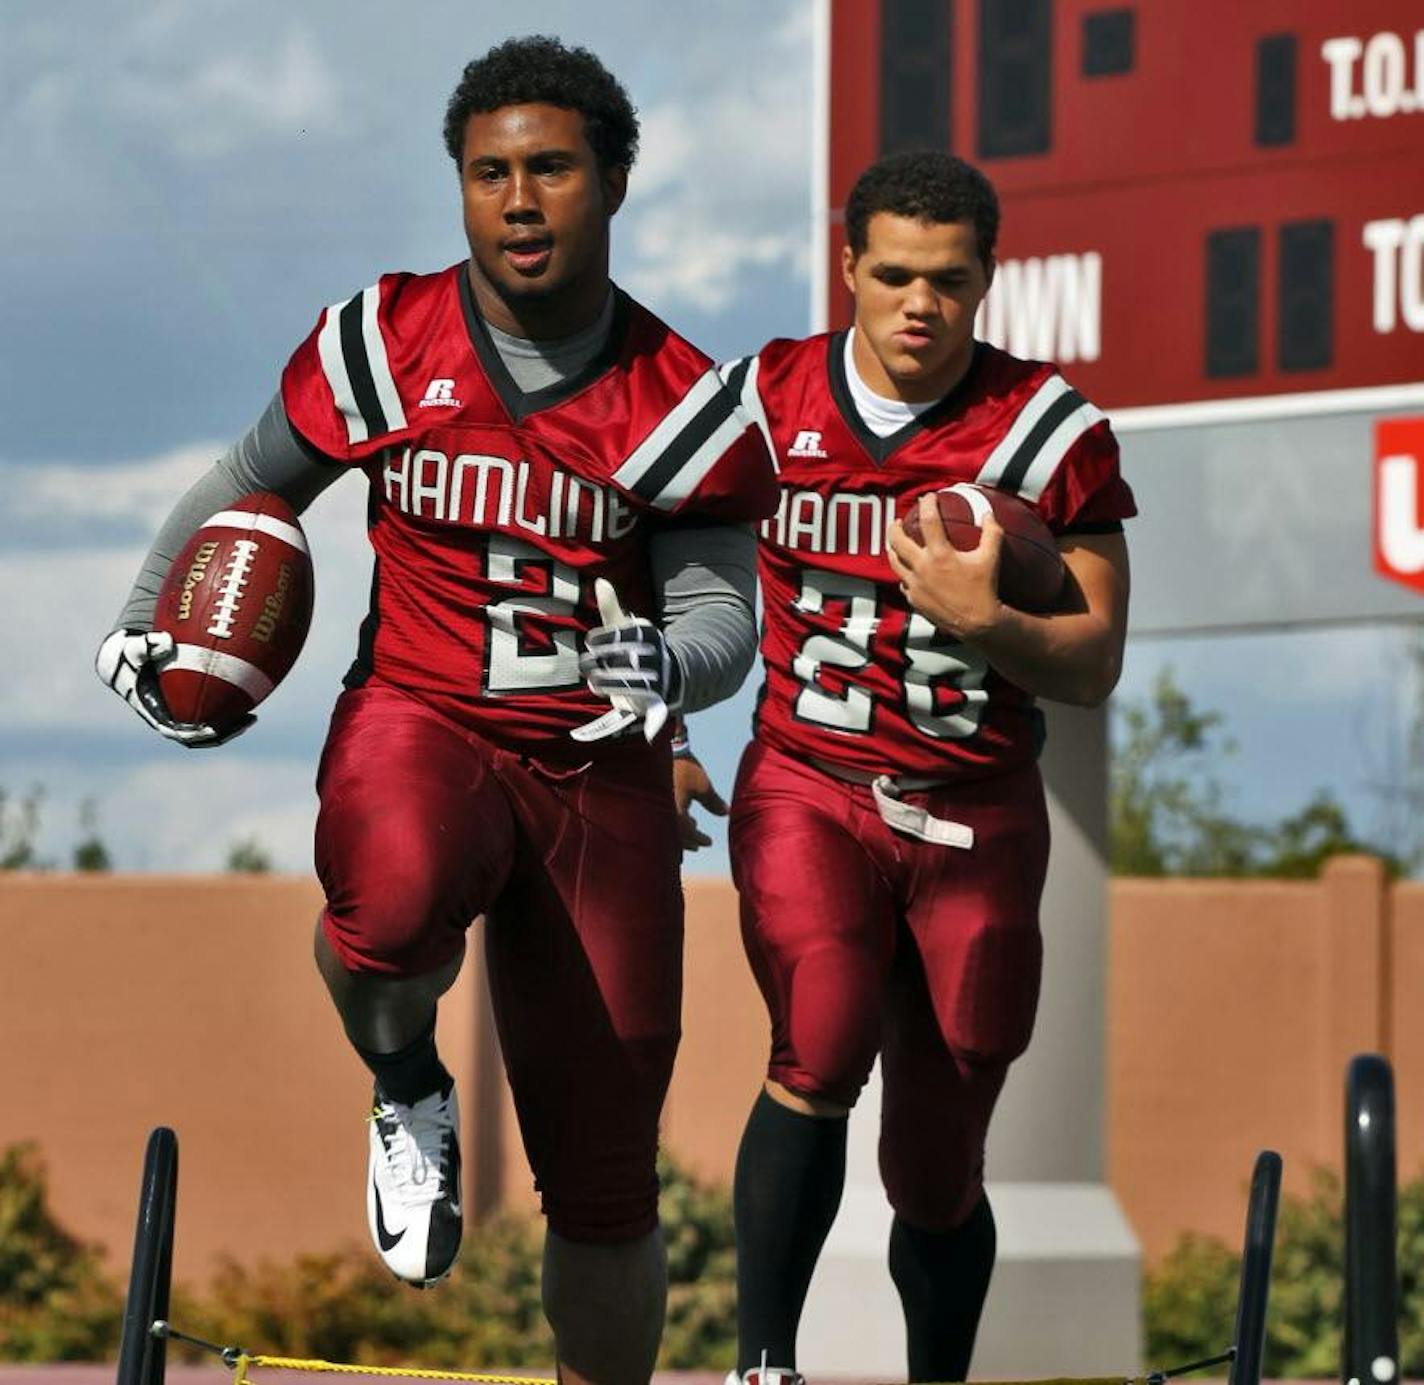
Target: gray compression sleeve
point(269, 457)
point(704, 581)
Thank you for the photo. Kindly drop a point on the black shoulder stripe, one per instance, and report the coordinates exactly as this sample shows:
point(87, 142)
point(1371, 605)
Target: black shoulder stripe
point(358, 368)
point(737, 377)
point(685, 445)
point(1013, 474)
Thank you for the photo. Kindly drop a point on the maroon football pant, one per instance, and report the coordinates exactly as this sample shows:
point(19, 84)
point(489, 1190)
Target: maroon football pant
point(865, 940)
point(423, 826)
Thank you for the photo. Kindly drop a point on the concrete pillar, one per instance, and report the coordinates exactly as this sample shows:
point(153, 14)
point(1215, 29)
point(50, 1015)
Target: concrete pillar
point(1065, 1295)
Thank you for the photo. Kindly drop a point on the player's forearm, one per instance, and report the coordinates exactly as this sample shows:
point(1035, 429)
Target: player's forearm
point(1066, 657)
point(214, 490)
point(715, 646)
point(268, 457)
point(705, 584)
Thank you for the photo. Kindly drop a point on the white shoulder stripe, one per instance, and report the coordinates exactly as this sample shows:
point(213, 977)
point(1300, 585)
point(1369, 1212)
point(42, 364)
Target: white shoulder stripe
point(651, 449)
point(264, 524)
point(333, 365)
point(750, 400)
point(385, 382)
point(689, 475)
point(1055, 448)
point(1043, 399)
point(198, 659)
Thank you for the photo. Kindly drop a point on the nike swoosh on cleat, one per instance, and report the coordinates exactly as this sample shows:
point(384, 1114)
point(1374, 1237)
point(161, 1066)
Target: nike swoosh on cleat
point(454, 1179)
point(384, 1237)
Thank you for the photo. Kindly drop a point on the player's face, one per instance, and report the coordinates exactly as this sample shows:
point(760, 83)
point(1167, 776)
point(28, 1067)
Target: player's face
point(537, 207)
point(917, 286)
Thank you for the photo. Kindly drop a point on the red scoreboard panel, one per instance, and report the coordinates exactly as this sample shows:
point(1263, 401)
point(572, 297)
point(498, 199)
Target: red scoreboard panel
point(1203, 199)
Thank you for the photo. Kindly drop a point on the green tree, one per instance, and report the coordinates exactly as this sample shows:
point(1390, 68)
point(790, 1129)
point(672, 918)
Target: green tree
point(56, 1303)
point(248, 856)
point(701, 1330)
point(345, 1306)
point(1167, 806)
point(90, 853)
point(20, 830)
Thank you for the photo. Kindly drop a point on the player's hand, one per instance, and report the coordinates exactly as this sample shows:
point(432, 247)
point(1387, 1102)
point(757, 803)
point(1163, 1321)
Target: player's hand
point(627, 660)
point(959, 592)
point(128, 662)
point(690, 784)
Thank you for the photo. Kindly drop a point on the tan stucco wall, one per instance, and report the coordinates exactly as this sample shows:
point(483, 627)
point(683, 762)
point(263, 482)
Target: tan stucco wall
point(127, 1002)
point(1233, 1010)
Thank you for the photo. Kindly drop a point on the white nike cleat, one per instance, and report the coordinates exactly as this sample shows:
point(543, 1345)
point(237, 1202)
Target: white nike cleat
point(413, 1187)
point(766, 1375)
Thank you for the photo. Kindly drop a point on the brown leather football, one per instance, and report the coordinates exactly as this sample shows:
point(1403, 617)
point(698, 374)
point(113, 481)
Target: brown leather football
point(1030, 566)
point(238, 603)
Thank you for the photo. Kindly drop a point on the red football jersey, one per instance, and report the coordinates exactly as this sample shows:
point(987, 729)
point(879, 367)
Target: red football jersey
point(492, 511)
point(853, 676)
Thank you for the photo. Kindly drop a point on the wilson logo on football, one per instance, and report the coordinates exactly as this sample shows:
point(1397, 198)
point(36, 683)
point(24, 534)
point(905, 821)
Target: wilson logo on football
point(238, 603)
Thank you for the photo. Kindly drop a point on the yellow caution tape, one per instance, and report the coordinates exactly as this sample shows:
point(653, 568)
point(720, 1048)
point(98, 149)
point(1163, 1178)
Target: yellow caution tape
point(294, 1363)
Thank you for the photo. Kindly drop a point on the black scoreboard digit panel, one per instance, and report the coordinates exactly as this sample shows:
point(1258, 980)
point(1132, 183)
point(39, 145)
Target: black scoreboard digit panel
point(1203, 199)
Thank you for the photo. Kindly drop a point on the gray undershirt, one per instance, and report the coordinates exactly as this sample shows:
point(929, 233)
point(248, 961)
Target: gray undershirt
point(535, 365)
point(704, 577)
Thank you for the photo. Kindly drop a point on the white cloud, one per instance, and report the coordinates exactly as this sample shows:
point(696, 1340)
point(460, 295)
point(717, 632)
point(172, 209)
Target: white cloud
point(700, 263)
point(73, 589)
point(139, 491)
point(234, 98)
point(722, 184)
point(192, 80)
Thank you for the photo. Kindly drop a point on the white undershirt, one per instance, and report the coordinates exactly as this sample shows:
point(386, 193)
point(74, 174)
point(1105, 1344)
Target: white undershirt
point(881, 415)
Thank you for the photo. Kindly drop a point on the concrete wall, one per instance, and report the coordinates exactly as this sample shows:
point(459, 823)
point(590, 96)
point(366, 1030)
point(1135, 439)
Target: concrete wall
point(1233, 1010)
point(127, 1002)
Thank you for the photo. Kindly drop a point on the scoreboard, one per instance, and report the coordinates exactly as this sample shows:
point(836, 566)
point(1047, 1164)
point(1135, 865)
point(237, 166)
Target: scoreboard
point(1202, 199)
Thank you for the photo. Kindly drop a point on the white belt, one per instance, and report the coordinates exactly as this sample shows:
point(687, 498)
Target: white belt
point(900, 816)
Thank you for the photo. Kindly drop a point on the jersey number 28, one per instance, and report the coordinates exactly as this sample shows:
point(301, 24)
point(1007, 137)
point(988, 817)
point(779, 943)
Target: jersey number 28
point(932, 663)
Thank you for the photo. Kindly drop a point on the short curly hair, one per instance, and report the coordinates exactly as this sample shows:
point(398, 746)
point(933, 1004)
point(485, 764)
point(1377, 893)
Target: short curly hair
point(522, 71)
point(930, 186)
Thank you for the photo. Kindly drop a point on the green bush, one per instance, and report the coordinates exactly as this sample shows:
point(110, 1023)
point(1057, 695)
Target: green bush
point(347, 1307)
point(56, 1303)
point(701, 1331)
point(1189, 1300)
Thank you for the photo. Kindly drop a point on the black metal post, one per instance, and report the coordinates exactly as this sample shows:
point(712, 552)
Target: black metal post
point(1371, 1345)
point(1256, 1254)
point(142, 1355)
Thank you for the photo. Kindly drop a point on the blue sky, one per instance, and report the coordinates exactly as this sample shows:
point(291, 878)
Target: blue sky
point(189, 181)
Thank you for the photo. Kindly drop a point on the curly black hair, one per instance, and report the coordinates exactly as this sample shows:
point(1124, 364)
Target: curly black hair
point(522, 71)
point(930, 186)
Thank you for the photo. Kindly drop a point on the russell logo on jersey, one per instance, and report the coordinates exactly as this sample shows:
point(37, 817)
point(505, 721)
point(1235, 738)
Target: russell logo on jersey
point(440, 394)
point(807, 444)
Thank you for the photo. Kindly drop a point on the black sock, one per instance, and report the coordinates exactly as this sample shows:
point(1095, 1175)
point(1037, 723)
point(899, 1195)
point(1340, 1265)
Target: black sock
point(790, 1172)
point(943, 1277)
point(411, 1072)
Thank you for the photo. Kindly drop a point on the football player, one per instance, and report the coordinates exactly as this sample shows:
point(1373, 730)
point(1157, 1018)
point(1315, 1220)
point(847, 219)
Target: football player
point(561, 497)
point(889, 836)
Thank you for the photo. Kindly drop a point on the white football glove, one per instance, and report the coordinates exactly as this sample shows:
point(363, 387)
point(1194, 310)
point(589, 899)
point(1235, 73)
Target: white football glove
point(128, 662)
point(628, 661)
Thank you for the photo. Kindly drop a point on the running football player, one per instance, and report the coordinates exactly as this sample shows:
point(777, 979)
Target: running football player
point(561, 492)
point(889, 836)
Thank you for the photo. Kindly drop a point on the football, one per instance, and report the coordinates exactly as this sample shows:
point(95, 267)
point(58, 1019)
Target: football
point(1030, 566)
point(238, 603)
